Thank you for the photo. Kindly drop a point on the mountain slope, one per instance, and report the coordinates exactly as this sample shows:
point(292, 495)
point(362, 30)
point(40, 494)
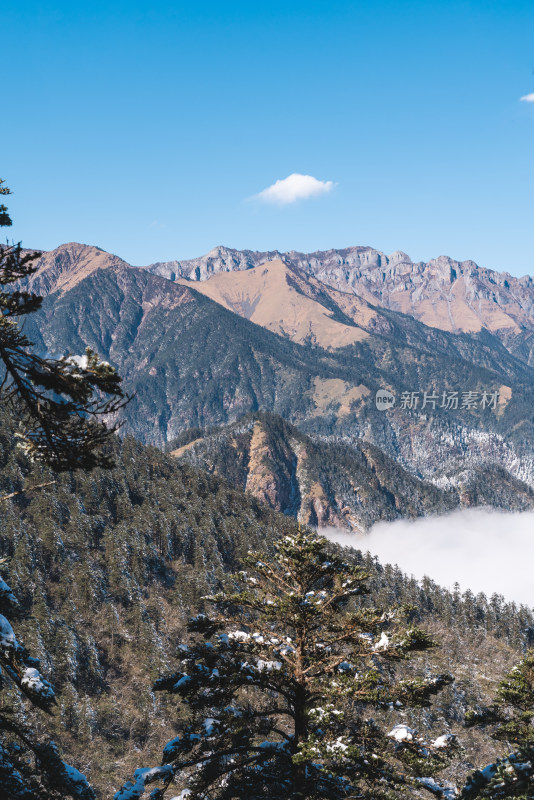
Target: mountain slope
point(108, 567)
point(280, 298)
point(328, 483)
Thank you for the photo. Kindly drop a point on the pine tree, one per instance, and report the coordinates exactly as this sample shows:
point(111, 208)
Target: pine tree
point(61, 402)
point(276, 683)
point(511, 718)
point(30, 768)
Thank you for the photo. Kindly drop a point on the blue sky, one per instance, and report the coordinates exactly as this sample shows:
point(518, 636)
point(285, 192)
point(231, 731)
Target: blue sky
point(145, 128)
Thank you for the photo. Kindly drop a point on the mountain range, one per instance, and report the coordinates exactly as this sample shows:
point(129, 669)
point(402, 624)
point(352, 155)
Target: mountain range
point(311, 338)
point(456, 296)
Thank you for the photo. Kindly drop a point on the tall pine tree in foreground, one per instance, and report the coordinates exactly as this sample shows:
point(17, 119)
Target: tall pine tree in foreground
point(278, 685)
point(60, 405)
point(511, 718)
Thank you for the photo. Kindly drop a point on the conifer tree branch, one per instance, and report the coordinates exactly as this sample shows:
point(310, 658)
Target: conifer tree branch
point(26, 490)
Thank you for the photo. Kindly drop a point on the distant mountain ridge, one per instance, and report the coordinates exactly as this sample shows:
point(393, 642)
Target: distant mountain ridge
point(443, 293)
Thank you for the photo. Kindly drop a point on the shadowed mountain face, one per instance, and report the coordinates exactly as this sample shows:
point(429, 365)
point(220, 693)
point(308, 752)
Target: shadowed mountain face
point(280, 341)
point(443, 293)
point(348, 485)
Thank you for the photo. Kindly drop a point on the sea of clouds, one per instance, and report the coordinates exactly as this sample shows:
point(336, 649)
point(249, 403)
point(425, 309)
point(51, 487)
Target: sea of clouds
point(482, 549)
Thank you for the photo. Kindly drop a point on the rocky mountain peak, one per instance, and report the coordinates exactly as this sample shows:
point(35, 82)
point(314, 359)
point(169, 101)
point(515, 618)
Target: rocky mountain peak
point(61, 269)
point(398, 257)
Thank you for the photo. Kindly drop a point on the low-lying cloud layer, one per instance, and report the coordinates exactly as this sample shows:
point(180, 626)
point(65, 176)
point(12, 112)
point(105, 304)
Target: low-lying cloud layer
point(294, 187)
point(482, 549)
point(527, 98)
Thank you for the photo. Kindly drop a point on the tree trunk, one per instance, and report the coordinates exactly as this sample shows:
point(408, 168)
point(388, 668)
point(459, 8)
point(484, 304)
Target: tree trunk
point(301, 734)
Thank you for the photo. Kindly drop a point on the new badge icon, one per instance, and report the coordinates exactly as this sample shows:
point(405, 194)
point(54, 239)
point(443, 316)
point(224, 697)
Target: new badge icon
point(384, 399)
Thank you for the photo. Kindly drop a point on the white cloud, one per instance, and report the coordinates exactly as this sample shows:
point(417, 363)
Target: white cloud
point(295, 187)
point(527, 98)
point(482, 549)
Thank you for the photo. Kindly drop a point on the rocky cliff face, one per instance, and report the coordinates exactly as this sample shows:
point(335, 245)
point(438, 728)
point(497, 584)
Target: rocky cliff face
point(226, 259)
point(443, 293)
